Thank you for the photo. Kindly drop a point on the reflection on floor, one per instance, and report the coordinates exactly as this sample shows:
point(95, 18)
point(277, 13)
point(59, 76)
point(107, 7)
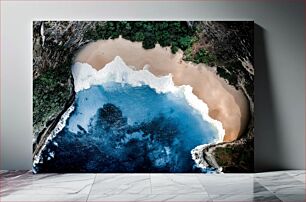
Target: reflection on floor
point(270, 186)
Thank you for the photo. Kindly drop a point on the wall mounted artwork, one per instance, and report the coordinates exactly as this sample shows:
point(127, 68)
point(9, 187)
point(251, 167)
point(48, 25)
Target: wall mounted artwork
point(143, 96)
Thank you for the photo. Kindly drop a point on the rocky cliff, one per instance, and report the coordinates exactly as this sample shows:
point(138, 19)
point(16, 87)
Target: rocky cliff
point(231, 44)
point(54, 45)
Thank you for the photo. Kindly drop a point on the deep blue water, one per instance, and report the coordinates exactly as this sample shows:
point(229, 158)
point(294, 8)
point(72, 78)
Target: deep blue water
point(119, 128)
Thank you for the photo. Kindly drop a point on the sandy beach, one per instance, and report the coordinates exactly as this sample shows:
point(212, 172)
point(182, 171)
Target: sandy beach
point(225, 103)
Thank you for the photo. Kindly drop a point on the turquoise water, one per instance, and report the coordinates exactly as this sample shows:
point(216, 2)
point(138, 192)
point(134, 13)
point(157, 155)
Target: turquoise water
point(119, 128)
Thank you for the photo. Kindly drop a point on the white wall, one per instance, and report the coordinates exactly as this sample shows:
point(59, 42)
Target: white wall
point(279, 63)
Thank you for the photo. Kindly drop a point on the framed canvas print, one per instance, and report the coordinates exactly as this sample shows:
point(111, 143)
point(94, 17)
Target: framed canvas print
point(143, 96)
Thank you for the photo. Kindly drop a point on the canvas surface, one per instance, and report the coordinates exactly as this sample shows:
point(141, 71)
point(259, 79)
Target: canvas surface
point(143, 96)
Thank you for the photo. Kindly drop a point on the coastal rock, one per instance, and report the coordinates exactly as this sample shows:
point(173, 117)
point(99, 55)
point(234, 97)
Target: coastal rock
point(231, 157)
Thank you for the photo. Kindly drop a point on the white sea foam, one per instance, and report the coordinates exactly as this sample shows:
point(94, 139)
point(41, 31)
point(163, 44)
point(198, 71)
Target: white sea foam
point(59, 126)
point(198, 157)
point(117, 71)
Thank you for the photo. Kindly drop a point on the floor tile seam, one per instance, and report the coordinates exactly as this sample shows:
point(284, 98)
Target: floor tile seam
point(91, 187)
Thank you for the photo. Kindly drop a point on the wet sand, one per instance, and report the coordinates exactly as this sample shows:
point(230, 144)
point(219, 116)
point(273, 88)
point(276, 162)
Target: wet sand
point(225, 103)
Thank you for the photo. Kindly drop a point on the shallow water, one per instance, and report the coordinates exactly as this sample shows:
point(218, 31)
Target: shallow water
point(119, 128)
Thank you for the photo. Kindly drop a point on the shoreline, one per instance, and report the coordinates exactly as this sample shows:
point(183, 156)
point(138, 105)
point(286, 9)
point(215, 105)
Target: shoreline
point(225, 103)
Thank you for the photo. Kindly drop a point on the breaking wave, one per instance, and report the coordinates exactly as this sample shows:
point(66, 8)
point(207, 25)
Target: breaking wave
point(117, 71)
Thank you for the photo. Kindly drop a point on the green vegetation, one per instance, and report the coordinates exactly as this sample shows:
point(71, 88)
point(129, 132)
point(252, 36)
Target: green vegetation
point(203, 56)
point(229, 76)
point(176, 34)
point(232, 71)
point(188, 54)
point(236, 158)
point(50, 92)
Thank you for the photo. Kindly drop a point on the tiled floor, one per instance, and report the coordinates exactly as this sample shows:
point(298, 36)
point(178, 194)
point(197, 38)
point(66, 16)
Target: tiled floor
point(270, 186)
